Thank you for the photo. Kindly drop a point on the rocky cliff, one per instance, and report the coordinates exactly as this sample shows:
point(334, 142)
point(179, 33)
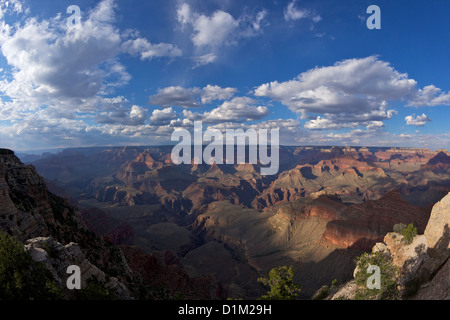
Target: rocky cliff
point(55, 234)
point(58, 257)
point(52, 230)
point(423, 263)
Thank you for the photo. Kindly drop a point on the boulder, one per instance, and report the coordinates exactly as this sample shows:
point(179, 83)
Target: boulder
point(402, 253)
point(409, 258)
point(437, 230)
point(438, 288)
point(437, 267)
point(380, 247)
point(57, 258)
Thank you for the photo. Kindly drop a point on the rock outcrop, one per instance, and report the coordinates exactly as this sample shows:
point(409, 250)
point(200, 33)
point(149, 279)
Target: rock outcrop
point(58, 235)
point(423, 264)
point(437, 230)
point(52, 230)
point(437, 268)
point(409, 258)
point(27, 206)
point(439, 286)
point(57, 258)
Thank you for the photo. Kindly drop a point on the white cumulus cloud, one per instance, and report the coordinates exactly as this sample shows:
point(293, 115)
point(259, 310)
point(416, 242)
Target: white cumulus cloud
point(191, 97)
point(70, 68)
point(418, 121)
point(430, 96)
point(353, 90)
point(239, 109)
point(163, 117)
point(211, 33)
point(220, 28)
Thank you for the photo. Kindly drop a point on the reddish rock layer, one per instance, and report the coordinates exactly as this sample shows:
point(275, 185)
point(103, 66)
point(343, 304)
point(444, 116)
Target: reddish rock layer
point(365, 224)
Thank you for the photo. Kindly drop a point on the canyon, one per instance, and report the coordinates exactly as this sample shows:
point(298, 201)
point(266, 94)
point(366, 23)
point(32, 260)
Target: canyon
point(54, 233)
point(226, 224)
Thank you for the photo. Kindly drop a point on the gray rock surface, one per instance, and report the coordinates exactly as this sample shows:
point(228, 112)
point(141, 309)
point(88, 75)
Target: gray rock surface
point(58, 258)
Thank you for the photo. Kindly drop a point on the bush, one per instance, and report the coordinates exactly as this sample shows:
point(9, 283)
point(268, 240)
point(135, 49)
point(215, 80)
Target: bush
point(409, 233)
point(388, 277)
point(281, 285)
point(22, 278)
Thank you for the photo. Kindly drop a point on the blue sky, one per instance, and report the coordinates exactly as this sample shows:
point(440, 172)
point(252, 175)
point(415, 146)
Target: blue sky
point(134, 71)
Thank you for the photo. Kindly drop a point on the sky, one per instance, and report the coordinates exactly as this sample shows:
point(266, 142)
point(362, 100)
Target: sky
point(131, 72)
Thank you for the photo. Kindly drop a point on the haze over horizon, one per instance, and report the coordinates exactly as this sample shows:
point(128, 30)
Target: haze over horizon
point(40, 152)
point(131, 72)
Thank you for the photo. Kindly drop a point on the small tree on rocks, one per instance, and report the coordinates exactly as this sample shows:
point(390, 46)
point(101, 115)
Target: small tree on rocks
point(280, 283)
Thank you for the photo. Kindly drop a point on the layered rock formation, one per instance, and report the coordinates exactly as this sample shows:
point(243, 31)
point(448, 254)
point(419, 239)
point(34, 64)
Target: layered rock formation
point(145, 175)
point(325, 206)
point(319, 237)
point(346, 175)
point(29, 212)
point(361, 225)
point(55, 234)
point(440, 162)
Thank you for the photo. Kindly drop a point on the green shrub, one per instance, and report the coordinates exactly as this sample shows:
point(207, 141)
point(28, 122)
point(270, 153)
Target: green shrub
point(409, 233)
point(281, 285)
point(334, 283)
point(22, 278)
point(388, 277)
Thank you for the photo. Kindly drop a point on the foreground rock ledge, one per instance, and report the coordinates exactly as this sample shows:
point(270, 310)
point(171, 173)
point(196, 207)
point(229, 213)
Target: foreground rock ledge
point(426, 260)
point(58, 257)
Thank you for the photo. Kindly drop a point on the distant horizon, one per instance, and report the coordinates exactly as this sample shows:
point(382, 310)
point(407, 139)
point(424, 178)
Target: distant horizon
point(39, 152)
